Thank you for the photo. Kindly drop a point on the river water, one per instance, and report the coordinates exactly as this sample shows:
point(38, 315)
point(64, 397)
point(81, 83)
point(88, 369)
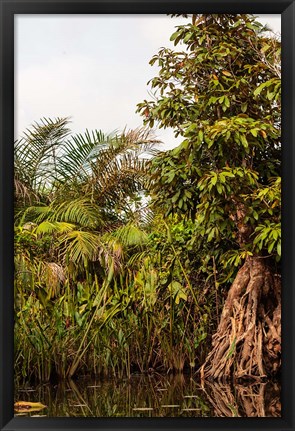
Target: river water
point(150, 396)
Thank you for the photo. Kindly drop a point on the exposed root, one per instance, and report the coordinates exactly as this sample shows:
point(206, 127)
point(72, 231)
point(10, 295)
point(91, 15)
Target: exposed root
point(248, 339)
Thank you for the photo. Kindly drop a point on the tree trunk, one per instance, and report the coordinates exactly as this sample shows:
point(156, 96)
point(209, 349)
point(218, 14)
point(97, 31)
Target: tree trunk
point(247, 343)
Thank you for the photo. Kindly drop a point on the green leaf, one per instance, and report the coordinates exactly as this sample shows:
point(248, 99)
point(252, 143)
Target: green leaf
point(275, 234)
point(244, 141)
point(222, 177)
point(174, 35)
point(227, 102)
point(177, 291)
point(271, 246)
point(254, 132)
point(220, 188)
point(265, 48)
point(214, 179)
point(244, 107)
point(211, 235)
point(171, 177)
point(78, 318)
point(270, 95)
point(260, 88)
point(187, 37)
point(175, 197)
point(255, 215)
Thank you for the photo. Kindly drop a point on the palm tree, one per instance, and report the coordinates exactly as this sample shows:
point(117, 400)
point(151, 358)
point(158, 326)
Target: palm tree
point(35, 158)
point(78, 188)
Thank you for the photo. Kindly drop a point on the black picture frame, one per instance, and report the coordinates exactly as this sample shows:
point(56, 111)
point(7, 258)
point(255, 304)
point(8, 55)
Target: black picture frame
point(8, 8)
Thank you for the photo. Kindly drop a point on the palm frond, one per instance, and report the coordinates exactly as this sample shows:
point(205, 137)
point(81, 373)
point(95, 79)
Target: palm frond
point(95, 161)
point(141, 140)
point(35, 213)
point(79, 246)
point(102, 176)
point(36, 153)
point(24, 193)
point(53, 276)
point(79, 152)
point(81, 211)
point(117, 177)
point(47, 228)
point(130, 235)
point(137, 258)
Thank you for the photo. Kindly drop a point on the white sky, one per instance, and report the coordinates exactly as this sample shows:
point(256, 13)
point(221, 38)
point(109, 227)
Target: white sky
point(92, 68)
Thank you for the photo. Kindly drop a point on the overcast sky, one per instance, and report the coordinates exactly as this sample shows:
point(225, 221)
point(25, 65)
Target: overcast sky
point(92, 68)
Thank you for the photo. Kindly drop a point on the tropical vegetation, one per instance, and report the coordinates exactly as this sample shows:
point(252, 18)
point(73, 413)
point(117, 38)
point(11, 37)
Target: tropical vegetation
point(128, 258)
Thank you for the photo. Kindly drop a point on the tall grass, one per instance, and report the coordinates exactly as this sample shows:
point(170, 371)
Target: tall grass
point(105, 329)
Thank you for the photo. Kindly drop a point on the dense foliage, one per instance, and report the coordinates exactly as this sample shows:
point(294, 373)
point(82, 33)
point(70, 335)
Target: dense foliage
point(96, 280)
point(222, 94)
point(123, 254)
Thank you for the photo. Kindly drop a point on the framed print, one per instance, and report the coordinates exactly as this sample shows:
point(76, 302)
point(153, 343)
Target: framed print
point(147, 207)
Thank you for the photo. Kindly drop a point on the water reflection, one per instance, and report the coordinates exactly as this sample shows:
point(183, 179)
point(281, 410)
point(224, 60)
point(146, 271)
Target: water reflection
point(256, 400)
point(153, 396)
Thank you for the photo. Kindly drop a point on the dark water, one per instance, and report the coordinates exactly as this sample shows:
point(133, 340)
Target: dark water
point(151, 396)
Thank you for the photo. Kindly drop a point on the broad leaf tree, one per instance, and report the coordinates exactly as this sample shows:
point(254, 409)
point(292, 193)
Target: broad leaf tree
point(221, 91)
